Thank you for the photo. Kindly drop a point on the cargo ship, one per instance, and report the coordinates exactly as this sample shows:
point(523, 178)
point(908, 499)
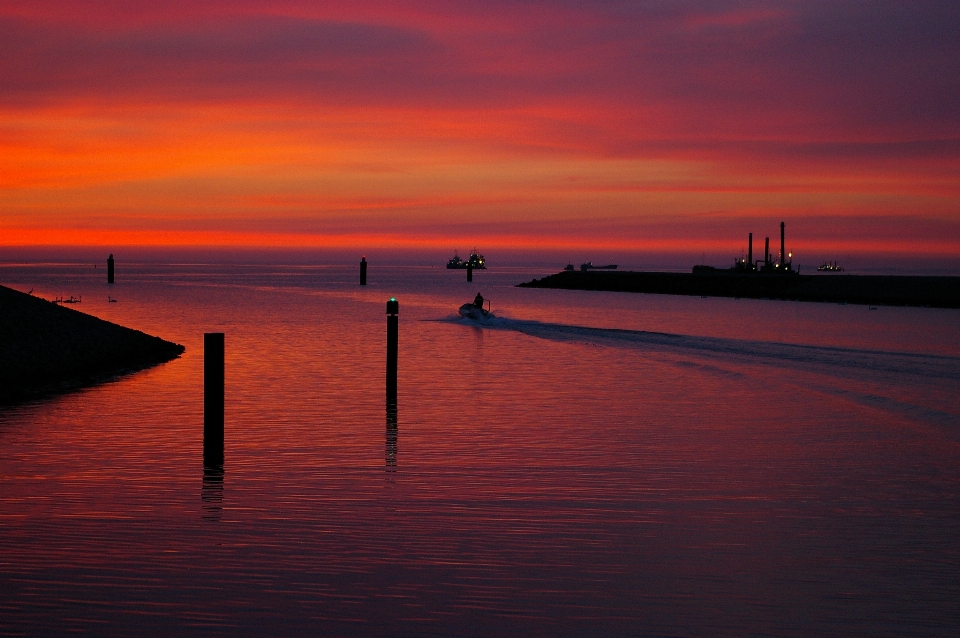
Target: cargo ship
point(475, 261)
point(829, 266)
point(589, 266)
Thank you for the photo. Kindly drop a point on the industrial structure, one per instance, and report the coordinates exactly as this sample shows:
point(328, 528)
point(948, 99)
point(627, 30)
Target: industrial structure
point(783, 265)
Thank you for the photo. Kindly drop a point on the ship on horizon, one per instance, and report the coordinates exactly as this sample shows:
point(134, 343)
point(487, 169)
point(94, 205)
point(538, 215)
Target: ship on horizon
point(589, 266)
point(830, 266)
point(475, 261)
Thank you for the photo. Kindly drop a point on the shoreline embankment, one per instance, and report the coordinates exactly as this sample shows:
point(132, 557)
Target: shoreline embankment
point(888, 290)
point(46, 348)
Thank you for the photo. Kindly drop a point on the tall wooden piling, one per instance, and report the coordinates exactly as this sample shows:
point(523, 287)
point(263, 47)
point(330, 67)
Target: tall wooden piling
point(110, 269)
point(469, 273)
point(213, 398)
point(363, 271)
point(393, 338)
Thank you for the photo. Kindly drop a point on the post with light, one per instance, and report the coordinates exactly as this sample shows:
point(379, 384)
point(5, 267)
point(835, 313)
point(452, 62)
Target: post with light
point(393, 337)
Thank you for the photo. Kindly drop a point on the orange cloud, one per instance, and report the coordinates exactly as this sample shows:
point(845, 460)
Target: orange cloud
point(313, 124)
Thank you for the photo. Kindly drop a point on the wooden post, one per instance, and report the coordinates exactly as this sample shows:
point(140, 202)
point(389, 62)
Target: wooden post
point(110, 269)
point(393, 331)
point(469, 273)
point(363, 271)
point(213, 398)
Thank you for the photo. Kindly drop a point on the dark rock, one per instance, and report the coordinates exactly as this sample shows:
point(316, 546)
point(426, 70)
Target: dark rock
point(46, 348)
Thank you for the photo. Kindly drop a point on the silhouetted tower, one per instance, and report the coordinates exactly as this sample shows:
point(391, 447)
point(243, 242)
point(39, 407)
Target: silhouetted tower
point(110, 269)
point(783, 252)
point(363, 271)
point(750, 251)
point(766, 253)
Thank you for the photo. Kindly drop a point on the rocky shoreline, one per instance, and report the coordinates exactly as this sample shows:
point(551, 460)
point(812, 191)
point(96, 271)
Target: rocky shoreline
point(935, 292)
point(47, 348)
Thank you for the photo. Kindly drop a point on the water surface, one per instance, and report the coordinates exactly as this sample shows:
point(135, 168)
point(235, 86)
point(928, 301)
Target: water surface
point(586, 464)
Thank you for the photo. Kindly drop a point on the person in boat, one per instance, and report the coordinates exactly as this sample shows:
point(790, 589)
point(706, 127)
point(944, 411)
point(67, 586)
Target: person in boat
point(478, 301)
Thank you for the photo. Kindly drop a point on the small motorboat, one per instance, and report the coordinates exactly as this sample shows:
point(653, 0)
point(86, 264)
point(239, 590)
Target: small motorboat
point(474, 312)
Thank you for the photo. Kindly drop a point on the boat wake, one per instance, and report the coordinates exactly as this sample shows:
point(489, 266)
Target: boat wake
point(872, 378)
point(782, 355)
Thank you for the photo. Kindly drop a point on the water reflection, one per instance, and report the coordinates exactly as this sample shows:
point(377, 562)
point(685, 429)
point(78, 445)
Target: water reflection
point(663, 505)
point(211, 493)
point(391, 449)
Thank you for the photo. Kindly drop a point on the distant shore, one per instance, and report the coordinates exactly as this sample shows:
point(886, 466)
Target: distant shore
point(47, 348)
point(935, 292)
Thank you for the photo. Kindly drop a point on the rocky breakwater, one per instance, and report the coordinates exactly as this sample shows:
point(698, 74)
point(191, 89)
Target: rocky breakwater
point(937, 292)
point(47, 348)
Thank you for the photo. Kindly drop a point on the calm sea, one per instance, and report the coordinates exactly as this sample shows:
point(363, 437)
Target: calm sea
point(587, 464)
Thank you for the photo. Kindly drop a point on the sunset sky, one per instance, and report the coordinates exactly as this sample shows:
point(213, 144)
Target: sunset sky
point(525, 125)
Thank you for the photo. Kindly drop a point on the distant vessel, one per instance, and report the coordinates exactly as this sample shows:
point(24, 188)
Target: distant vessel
point(829, 266)
point(589, 266)
point(475, 261)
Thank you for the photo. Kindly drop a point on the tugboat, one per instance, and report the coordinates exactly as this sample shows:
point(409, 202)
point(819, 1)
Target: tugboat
point(829, 266)
point(475, 261)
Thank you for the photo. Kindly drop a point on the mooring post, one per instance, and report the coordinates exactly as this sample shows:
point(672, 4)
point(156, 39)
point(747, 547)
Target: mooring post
point(469, 273)
point(363, 271)
point(393, 337)
point(213, 364)
point(110, 269)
